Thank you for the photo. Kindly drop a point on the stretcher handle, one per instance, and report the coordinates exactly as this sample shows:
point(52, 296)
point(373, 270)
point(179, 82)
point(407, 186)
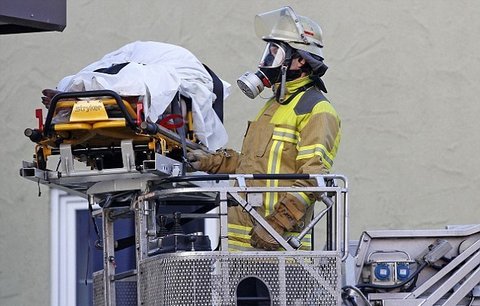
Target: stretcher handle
point(86, 94)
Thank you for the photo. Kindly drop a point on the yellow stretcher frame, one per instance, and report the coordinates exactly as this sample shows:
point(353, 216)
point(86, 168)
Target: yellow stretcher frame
point(111, 130)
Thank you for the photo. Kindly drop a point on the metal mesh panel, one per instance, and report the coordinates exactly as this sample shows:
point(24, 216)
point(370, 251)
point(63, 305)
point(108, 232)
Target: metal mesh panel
point(125, 290)
point(292, 278)
point(98, 288)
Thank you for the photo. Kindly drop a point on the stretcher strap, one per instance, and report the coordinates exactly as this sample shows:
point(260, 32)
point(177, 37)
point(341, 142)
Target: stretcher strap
point(176, 110)
point(218, 91)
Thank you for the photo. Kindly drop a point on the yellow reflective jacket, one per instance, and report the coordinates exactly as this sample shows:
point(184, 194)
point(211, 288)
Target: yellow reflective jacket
point(299, 137)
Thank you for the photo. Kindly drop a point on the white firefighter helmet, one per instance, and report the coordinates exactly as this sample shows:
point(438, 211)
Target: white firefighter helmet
point(283, 24)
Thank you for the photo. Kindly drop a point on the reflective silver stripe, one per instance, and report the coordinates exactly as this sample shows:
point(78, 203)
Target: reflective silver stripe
point(274, 161)
point(299, 197)
point(285, 135)
point(236, 231)
point(239, 228)
point(316, 150)
point(237, 246)
point(238, 234)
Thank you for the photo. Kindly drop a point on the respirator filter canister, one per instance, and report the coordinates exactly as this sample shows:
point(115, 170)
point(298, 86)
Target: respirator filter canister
point(252, 84)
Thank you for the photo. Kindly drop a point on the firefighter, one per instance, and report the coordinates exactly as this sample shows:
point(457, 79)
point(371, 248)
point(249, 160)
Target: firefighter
point(296, 131)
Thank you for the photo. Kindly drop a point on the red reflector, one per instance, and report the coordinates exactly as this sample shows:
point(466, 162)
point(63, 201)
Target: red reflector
point(309, 33)
point(139, 113)
point(266, 82)
point(39, 116)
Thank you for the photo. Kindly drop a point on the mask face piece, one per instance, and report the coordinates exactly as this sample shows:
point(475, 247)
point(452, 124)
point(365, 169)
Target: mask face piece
point(270, 70)
point(273, 56)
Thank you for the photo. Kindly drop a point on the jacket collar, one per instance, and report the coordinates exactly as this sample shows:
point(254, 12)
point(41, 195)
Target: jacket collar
point(293, 86)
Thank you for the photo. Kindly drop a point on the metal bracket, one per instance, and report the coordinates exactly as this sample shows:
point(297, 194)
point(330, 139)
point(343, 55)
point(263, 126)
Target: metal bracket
point(128, 155)
point(66, 159)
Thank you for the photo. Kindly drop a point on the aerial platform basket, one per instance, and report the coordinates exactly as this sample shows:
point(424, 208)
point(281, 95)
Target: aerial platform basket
point(188, 276)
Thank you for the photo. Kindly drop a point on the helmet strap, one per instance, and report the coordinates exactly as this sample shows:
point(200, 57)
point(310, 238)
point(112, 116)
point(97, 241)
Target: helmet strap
point(281, 96)
point(289, 54)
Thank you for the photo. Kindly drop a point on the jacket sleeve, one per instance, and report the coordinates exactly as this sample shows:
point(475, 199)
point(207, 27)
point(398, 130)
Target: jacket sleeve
point(320, 133)
point(222, 161)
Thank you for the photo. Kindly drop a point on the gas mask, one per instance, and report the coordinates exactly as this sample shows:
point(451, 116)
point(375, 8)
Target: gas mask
point(273, 68)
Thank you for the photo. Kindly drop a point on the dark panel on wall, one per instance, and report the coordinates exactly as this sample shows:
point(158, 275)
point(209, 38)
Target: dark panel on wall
point(23, 16)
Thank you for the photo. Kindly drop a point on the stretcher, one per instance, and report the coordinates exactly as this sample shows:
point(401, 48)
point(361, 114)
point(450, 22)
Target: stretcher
point(94, 124)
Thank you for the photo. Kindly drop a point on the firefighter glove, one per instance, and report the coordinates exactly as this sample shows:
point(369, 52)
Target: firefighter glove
point(198, 159)
point(261, 239)
point(289, 211)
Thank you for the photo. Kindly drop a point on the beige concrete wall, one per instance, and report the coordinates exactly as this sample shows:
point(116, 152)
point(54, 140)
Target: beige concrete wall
point(403, 76)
